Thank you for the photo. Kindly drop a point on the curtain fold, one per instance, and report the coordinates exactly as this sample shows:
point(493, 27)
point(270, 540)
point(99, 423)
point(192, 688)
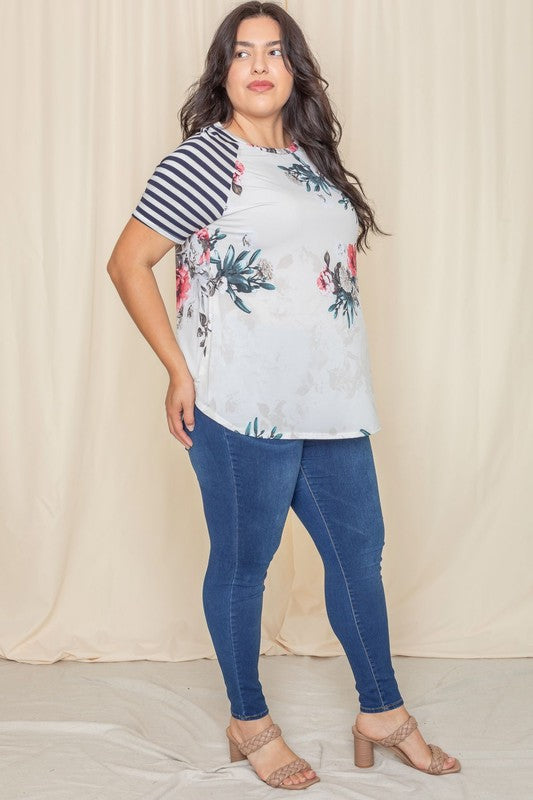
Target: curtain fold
point(103, 543)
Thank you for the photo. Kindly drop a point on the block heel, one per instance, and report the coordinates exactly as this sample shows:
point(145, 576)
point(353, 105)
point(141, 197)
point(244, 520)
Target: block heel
point(363, 751)
point(234, 752)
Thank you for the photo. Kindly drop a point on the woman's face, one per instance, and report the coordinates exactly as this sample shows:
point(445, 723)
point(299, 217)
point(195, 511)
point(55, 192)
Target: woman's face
point(257, 57)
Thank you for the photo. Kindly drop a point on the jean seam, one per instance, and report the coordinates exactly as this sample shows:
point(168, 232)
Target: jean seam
point(235, 660)
point(384, 707)
point(345, 581)
point(252, 716)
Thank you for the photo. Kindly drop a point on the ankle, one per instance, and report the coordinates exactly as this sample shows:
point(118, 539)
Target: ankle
point(248, 727)
point(391, 715)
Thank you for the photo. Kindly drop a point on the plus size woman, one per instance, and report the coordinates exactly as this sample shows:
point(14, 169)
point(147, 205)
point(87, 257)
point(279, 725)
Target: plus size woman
point(269, 379)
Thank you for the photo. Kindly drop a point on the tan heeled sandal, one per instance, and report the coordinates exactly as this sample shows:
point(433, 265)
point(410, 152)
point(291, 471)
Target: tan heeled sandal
point(238, 751)
point(364, 749)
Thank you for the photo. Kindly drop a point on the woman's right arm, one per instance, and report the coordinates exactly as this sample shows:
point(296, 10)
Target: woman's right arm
point(130, 266)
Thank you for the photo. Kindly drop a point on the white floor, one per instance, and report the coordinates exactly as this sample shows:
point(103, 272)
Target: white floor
point(155, 730)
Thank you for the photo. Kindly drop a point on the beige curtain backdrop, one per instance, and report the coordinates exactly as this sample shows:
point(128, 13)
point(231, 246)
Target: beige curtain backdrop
point(103, 542)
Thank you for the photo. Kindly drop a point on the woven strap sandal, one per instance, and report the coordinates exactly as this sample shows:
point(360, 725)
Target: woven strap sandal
point(241, 750)
point(364, 749)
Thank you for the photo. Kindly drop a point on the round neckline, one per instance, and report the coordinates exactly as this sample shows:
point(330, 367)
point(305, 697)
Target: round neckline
point(290, 149)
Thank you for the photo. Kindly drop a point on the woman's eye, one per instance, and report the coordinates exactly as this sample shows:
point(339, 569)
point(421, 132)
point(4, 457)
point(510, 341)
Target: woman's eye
point(244, 52)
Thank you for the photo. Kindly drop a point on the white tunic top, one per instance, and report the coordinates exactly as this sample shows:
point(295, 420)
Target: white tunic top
point(267, 299)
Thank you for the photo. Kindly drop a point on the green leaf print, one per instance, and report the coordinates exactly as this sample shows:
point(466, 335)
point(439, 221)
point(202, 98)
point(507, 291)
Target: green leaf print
point(229, 258)
point(238, 302)
point(340, 282)
point(303, 173)
point(345, 302)
point(345, 201)
point(241, 274)
point(259, 434)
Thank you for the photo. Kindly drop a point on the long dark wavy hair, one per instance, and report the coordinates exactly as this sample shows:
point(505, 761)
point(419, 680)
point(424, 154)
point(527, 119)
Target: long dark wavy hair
point(307, 115)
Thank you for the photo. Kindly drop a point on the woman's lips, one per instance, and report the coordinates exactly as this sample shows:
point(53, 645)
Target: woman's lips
point(260, 87)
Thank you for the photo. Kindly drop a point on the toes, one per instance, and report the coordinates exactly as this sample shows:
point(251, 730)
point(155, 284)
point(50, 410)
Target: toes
point(449, 761)
point(299, 777)
point(290, 780)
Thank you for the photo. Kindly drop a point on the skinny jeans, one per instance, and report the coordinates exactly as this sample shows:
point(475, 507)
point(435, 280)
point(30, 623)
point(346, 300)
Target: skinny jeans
point(248, 483)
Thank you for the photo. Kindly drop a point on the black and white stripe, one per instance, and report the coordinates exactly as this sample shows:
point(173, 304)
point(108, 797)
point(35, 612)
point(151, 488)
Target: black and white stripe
point(190, 187)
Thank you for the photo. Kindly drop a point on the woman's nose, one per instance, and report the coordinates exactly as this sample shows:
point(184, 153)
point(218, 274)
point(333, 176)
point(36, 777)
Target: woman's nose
point(258, 64)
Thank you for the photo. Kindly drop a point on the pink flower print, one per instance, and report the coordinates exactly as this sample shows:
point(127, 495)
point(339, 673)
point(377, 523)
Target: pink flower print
point(325, 281)
point(239, 171)
point(292, 147)
point(352, 260)
point(203, 237)
point(341, 282)
point(183, 285)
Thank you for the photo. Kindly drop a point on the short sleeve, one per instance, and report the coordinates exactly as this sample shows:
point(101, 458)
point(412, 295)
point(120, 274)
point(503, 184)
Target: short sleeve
point(186, 192)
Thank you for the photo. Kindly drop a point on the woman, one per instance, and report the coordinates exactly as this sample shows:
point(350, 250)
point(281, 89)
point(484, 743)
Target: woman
point(270, 387)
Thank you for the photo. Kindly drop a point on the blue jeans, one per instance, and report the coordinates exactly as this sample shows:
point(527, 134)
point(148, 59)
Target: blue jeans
point(247, 485)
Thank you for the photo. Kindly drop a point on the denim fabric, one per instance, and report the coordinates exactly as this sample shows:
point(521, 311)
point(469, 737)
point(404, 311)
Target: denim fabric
point(247, 485)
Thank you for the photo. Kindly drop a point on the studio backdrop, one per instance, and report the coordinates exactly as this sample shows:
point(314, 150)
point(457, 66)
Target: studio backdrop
point(103, 542)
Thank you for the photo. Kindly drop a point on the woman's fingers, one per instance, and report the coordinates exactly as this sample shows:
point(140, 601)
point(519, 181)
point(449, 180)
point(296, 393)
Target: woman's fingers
point(188, 415)
point(179, 403)
point(178, 431)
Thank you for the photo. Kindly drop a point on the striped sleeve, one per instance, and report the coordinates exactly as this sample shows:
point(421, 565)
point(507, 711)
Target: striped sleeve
point(188, 189)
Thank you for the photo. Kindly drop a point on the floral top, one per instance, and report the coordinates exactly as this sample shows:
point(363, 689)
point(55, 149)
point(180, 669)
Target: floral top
point(268, 313)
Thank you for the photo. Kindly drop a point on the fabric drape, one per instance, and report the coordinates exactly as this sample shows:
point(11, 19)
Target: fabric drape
point(103, 544)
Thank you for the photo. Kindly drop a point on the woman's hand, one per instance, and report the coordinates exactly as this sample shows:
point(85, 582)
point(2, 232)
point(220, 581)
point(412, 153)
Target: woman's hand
point(180, 400)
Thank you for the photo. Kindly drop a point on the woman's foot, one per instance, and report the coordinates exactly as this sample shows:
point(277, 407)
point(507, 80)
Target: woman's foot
point(270, 756)
point(382, 723)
